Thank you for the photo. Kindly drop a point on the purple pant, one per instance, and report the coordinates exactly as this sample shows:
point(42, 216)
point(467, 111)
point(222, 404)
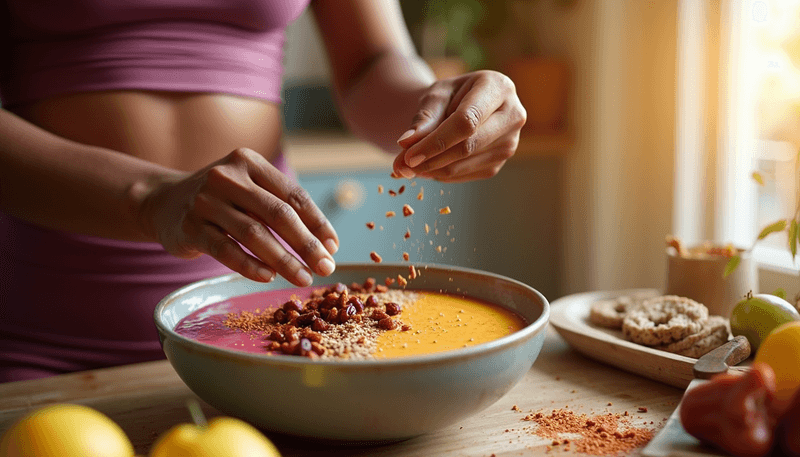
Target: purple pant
point(73, 302)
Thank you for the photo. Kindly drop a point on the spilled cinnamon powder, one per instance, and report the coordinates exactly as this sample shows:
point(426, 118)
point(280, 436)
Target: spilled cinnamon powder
point(603, 434)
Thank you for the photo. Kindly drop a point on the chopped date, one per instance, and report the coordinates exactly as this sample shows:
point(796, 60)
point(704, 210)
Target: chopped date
point(319, 325)
point(392, 308)
point(357, 303)
point(293, 304)
point(375, 257)
point(387, 324)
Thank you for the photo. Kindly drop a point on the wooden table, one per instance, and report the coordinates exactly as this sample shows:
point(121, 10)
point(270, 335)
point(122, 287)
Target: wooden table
point(147, 399)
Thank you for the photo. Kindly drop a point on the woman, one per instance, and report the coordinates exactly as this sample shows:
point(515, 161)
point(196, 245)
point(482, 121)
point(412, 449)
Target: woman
point(139, 151)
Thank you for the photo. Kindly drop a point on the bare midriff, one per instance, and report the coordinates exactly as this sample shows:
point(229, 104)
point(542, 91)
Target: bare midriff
point(184, 131)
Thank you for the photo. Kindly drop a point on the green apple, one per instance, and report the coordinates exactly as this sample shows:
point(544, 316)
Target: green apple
point(222, 437)
point(65, 430)
point(758, 315)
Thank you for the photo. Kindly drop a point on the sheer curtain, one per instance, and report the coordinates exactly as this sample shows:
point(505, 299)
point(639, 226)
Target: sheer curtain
point(738, 114)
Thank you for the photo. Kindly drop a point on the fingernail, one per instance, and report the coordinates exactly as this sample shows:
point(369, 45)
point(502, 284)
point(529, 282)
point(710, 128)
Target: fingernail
point(407, 172)
point(331, 246)
point(325, 266)
point(414, 160)
point(266, 274)
point(304, 278)
point(406, 135)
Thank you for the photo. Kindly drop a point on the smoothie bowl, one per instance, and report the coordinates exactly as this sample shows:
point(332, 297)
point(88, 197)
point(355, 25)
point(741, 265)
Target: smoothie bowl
point(407, 361)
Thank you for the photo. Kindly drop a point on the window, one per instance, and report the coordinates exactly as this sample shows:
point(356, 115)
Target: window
point(748, 54)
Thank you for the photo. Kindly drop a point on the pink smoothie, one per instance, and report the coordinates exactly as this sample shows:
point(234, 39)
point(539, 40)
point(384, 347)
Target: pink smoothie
point(206, 325)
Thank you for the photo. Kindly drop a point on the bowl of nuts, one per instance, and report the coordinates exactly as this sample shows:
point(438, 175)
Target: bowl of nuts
point(375, 353)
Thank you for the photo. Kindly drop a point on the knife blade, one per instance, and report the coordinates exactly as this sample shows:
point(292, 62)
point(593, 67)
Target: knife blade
point(672, 440)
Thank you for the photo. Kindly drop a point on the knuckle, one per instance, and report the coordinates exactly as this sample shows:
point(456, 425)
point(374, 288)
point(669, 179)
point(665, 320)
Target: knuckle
point(241, 154)
point(470, 119)
point(221, 247)
point(470, 146)
point(252, 232)
point(311, 247)
point(521, 116)
point(506, 153)
point(440, 145)
point(422, 115)
point(299, 198)
point(434, 96)
point(217, 174)
point(510, 144)
point(507, 82)
point(285, 261)
point(281, 211)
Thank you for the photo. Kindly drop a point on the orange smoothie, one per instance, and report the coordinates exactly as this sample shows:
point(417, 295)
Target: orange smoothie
point(442, 322)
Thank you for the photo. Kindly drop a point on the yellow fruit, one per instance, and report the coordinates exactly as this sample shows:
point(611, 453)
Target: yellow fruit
point(781, 351)
point(223, 437)
point(65, 430)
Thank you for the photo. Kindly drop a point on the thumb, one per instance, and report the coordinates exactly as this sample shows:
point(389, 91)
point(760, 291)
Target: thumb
point(430, 114)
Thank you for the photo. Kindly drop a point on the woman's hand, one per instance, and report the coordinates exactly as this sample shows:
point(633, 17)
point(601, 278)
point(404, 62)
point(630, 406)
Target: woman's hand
point(241, 198)
point(465, 129)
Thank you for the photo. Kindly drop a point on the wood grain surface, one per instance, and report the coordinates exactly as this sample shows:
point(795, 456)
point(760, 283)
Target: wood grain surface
point(147, 399)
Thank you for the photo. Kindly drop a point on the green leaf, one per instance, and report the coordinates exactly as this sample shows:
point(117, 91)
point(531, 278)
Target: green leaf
point(793, 238)
point(758, 178)
point(730, 267)
point(771, 228)
point(780, 293)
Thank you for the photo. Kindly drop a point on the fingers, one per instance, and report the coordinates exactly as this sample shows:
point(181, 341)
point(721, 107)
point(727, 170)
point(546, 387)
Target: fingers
point(491, 134)
point(256, 237)
point(216, 243)
point(477, 105)
point(287, 209)
point(246, 196)
point(432, 111)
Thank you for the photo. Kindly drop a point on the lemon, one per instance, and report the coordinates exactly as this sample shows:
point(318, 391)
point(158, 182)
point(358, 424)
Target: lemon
point(65, 430)
point(781, 351)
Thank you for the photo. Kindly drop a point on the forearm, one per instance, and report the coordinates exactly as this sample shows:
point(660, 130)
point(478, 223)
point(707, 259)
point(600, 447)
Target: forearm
point(64, 185)
point(381, 103)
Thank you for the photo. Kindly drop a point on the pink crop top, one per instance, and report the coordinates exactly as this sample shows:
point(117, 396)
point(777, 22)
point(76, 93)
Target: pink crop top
point(53, 47)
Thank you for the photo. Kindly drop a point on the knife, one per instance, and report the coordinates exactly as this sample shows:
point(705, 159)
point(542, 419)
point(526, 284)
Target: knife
point(672, 440)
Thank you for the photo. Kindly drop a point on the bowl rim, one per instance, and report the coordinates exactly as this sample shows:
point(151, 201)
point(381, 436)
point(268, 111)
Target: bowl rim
point(436, 358)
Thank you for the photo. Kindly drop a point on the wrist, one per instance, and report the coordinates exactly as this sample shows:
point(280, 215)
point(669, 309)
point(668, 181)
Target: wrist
point(141, 198)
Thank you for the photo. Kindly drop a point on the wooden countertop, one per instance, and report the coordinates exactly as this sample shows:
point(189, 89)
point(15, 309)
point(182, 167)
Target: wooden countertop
point(322, 152)
point(149, 398)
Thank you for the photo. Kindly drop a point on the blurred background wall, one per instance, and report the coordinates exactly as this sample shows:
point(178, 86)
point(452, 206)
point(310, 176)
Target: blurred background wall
point(592, 213)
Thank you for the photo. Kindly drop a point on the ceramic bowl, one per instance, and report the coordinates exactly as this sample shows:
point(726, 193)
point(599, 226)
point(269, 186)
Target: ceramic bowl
point(364, 401)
